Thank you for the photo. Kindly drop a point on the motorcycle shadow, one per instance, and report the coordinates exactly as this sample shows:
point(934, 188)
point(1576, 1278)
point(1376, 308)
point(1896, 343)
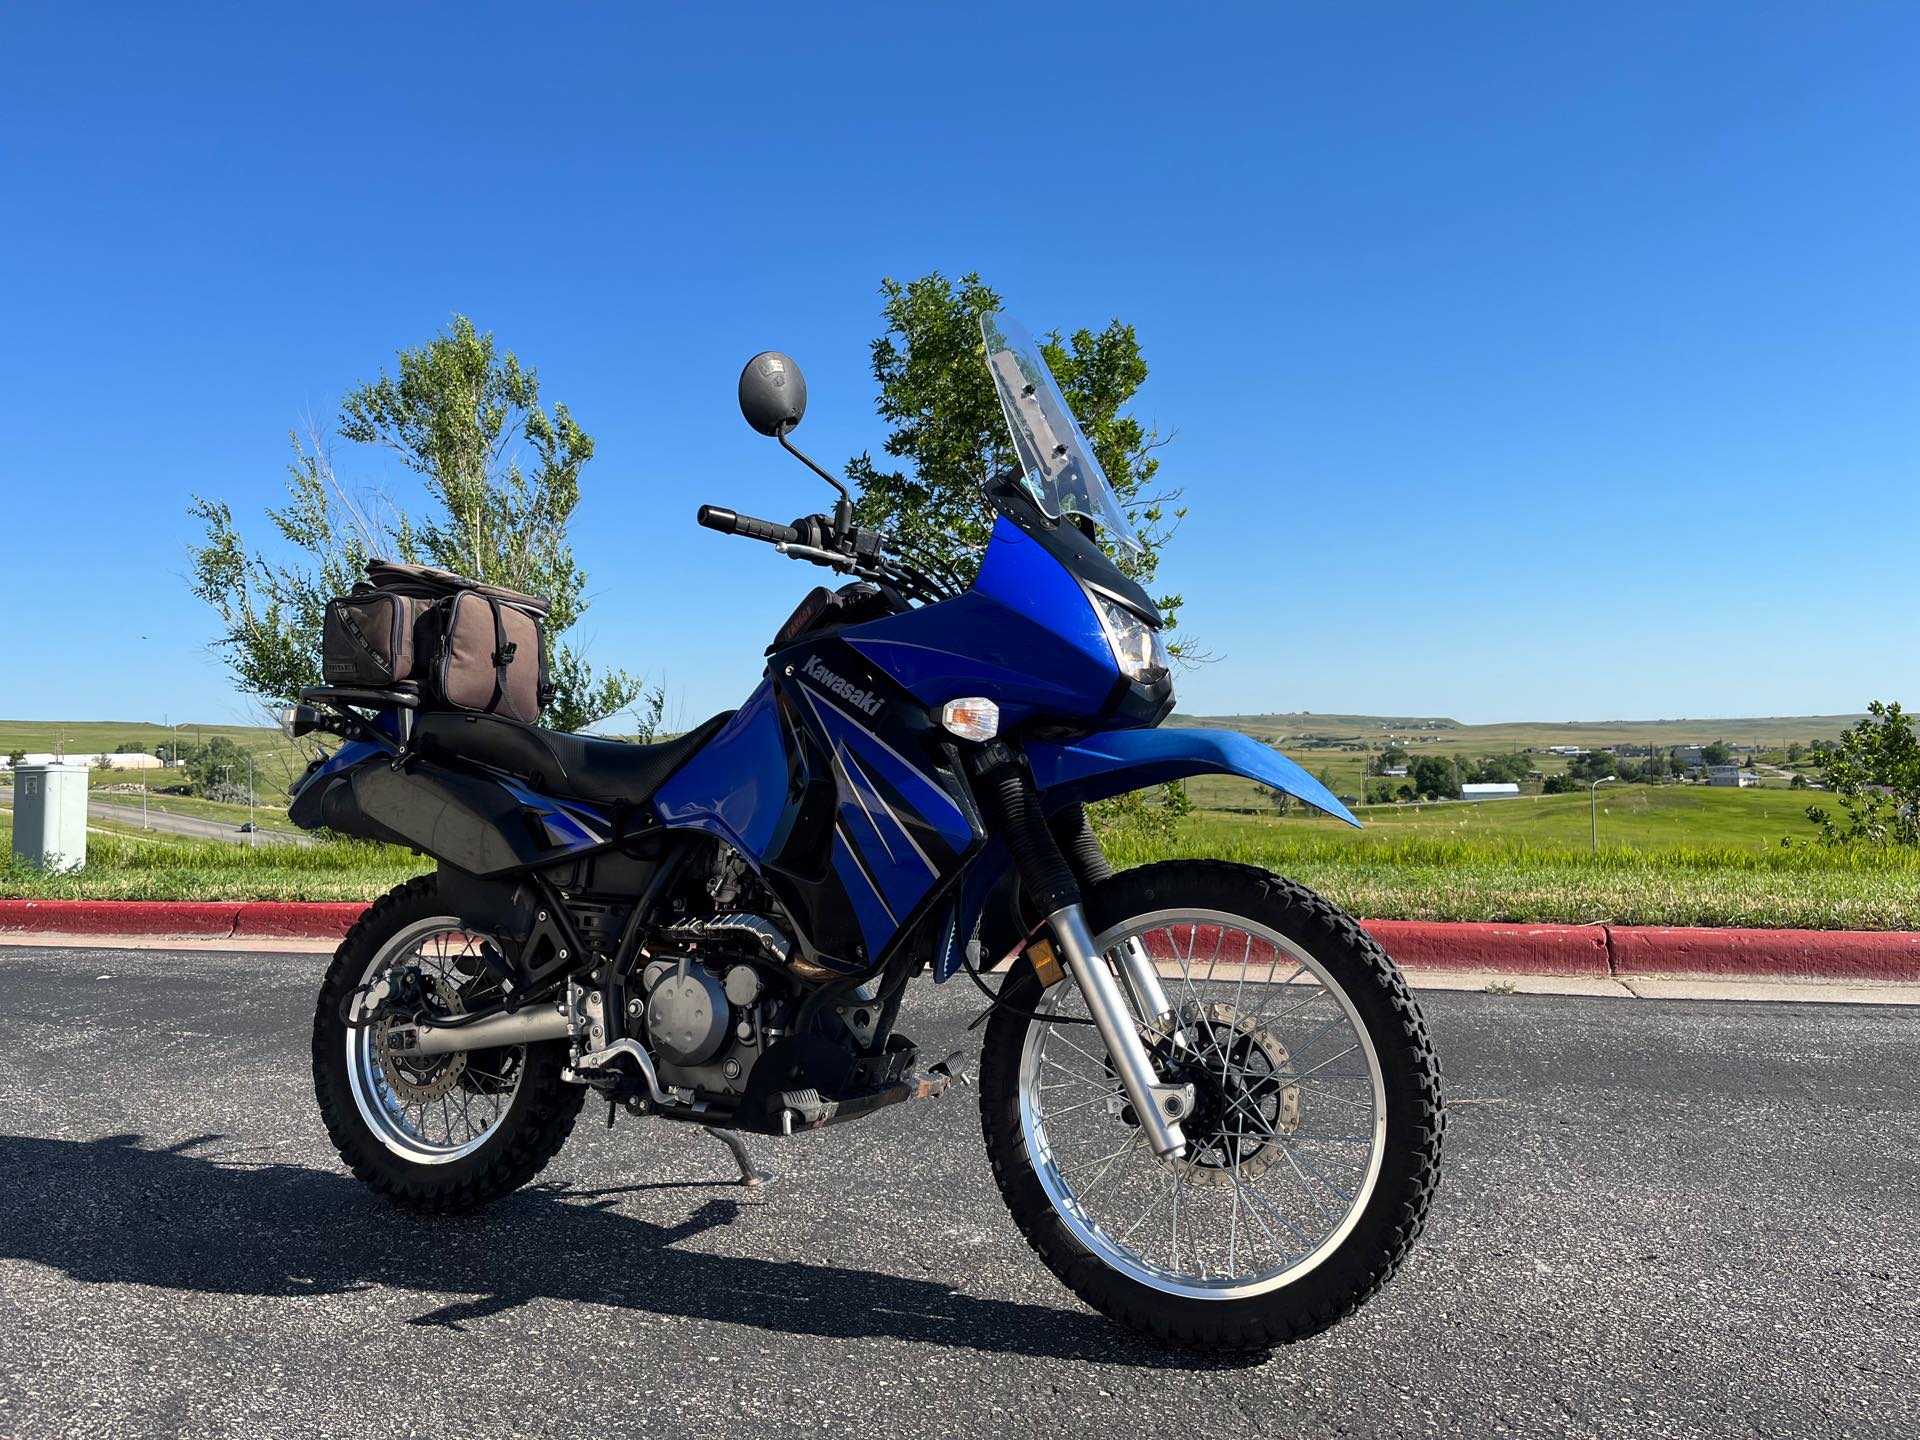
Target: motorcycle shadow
point(111, 1210)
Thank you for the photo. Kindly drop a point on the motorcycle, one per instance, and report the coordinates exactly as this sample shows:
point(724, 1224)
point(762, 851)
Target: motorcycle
point(1209, 1101)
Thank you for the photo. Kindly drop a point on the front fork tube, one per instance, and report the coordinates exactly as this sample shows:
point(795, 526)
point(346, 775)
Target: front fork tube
point(1160, 1106)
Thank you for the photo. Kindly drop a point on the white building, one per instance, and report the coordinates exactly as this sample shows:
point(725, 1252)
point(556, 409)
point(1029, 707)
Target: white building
point(1505, 790)
point(1731, 775)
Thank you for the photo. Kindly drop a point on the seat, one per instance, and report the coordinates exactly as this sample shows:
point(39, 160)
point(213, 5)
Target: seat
point(569, 767)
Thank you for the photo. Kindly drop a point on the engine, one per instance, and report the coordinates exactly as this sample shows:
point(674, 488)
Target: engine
point(712, 1010)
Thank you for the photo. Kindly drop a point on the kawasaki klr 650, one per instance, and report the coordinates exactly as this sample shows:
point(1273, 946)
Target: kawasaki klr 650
point(1209, 1100)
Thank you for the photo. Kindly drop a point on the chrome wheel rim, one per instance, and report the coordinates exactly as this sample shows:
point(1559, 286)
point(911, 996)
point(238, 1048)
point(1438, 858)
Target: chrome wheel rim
point(451, 1105)
point(1285, 1146)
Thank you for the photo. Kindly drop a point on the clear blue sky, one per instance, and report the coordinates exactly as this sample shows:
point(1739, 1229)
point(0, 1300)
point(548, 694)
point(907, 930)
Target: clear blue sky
point(1527, 361)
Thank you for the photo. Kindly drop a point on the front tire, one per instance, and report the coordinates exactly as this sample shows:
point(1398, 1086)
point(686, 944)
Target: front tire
point(1336, 1166)
point(461, 1131)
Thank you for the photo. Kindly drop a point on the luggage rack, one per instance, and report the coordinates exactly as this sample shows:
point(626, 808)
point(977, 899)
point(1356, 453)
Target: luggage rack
point(346, 701)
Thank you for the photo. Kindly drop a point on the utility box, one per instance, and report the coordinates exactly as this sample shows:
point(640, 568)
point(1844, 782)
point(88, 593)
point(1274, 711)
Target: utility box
point(50, 816)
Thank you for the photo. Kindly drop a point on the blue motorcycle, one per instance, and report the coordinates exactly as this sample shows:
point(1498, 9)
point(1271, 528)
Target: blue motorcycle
point(1209, 1099)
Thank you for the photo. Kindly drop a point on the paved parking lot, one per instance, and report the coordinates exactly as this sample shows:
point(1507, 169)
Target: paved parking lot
point(1658, 1218)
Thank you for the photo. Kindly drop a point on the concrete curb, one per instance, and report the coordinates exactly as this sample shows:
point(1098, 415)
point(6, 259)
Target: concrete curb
point(1581, 951)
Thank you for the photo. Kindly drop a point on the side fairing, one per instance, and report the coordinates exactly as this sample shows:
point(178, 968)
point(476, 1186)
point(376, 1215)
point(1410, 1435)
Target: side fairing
point(1024, 635)
point(824, 782)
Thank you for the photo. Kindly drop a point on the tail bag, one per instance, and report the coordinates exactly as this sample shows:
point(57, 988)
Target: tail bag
point(462, 644)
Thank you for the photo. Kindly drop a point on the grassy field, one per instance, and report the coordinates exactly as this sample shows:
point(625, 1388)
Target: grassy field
point(1673, 854)
point(1342, 745)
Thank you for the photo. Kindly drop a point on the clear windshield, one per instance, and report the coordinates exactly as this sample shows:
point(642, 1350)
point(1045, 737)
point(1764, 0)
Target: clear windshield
point(1057, 464)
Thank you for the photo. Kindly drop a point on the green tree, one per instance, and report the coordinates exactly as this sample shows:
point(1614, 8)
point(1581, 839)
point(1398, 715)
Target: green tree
point(948, 430)
point(16, 758)
point(501, 474)
point(1794, 752)
point(1435, 777)
point(1875, 776)
point(1391, 758)
point(1718, 753)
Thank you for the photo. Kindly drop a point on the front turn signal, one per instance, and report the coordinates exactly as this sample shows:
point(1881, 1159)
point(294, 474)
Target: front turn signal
point(973, 718)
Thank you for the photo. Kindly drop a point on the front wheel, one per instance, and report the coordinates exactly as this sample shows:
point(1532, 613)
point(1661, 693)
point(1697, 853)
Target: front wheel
point(1314, 1145)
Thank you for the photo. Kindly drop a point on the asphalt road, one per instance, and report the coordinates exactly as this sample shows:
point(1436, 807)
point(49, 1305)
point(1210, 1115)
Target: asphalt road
point(1657, 1219)
point(173, 824)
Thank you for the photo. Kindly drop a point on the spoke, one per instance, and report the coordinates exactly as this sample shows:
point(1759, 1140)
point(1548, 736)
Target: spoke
point(1087, 1194)
point(1101, 1082)
point(1304, 1074)
point(1097, 1060)
point(1255, 1202)
point(1078, 1105)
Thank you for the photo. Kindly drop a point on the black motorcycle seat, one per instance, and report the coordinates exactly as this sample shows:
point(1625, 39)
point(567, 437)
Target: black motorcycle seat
point(568, 767)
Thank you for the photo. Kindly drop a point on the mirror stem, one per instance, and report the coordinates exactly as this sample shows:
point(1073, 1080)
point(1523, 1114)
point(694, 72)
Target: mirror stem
point(846, 497)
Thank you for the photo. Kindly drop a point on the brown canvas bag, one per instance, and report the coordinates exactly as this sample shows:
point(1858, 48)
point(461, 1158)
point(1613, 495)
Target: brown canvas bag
point(465, 645)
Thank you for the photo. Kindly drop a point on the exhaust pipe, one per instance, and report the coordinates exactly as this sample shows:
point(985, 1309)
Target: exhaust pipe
point(525, 1028)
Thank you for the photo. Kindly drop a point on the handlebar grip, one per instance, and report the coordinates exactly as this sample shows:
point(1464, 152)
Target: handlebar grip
point(727, 522)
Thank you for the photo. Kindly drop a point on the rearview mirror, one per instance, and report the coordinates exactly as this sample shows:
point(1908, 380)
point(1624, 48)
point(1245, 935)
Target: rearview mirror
point(773, 393)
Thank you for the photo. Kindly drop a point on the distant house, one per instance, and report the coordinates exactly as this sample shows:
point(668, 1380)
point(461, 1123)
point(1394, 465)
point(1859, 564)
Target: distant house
point(1566, 749)
point(1503, 791)
point(1684, 755)
point(1731, 776)
point(1395, 771)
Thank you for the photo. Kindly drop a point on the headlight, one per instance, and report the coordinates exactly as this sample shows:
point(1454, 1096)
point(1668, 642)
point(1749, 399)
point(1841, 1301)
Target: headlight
point(1137, 647)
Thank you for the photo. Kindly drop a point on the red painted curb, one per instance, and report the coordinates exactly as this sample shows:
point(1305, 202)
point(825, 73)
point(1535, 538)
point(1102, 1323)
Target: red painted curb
point(288, 919)
point(1809, 954)
point(186, 918)
point(1504, 949)
point(1596, 951)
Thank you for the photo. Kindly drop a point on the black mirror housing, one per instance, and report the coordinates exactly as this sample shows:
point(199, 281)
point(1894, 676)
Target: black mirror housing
point(773, 393)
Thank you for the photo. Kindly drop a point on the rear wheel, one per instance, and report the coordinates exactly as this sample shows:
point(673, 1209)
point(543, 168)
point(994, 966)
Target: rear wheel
point(439, 1133)
point(1314, 1144)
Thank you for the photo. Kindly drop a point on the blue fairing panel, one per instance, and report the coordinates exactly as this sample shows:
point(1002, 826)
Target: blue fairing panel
point(1121, 760)
point(736, 786)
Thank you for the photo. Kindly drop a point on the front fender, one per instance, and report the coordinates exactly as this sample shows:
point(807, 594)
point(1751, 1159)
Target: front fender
point(1100, 766)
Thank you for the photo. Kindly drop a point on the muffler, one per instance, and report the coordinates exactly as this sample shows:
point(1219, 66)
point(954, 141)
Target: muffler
point(525, 1028)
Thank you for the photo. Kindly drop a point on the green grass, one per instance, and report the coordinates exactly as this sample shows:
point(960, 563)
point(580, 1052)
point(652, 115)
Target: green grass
point(123, 866)
point(1411, 876)
point(1677, 855)
point(266, 816)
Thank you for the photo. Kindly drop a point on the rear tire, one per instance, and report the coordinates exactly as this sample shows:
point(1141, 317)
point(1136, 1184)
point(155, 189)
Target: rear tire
point(536, 1120)
point(1388, 1205)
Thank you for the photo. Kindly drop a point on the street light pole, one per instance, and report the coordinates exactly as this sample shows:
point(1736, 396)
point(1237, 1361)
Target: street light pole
point(1593, 806)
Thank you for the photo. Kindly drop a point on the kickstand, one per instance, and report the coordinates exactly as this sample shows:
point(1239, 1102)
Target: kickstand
point(749, 1176)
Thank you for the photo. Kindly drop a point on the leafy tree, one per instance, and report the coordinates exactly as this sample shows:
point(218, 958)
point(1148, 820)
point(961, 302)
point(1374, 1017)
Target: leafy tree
point(1280, 800)
point(1594, 765)
point(1391, 758)
point(129, 747)
point(461, 414)
point(214, 764)
point(16, 759)
point(103, 762)
point(1875, 776)
point(948, 429)
point(1501, 769)
point(1435, 777)
point(1799, 782)
point(1794, 752)
point(1561, 785)
point(1630, 770)
point(1718, 753)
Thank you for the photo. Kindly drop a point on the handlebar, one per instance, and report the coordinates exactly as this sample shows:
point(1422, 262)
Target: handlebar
point(727, 522)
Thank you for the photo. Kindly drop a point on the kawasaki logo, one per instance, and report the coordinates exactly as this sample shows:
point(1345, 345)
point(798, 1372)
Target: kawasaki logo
point(845, 689)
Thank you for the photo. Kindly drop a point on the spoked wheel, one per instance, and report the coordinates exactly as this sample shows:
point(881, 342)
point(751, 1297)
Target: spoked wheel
point(440, 1133)
point(1313, 1145)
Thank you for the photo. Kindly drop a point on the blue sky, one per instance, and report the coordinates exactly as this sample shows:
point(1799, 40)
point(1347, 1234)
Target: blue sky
point(1525, 361)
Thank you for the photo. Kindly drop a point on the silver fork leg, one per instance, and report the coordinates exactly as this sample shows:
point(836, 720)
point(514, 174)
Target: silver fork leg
point(1160, 1107)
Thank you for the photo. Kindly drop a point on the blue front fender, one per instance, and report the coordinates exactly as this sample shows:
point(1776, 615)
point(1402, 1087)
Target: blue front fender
point(1121, 760)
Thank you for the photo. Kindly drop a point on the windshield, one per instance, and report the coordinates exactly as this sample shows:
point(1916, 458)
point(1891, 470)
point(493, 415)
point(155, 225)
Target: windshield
point(1057, 464)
